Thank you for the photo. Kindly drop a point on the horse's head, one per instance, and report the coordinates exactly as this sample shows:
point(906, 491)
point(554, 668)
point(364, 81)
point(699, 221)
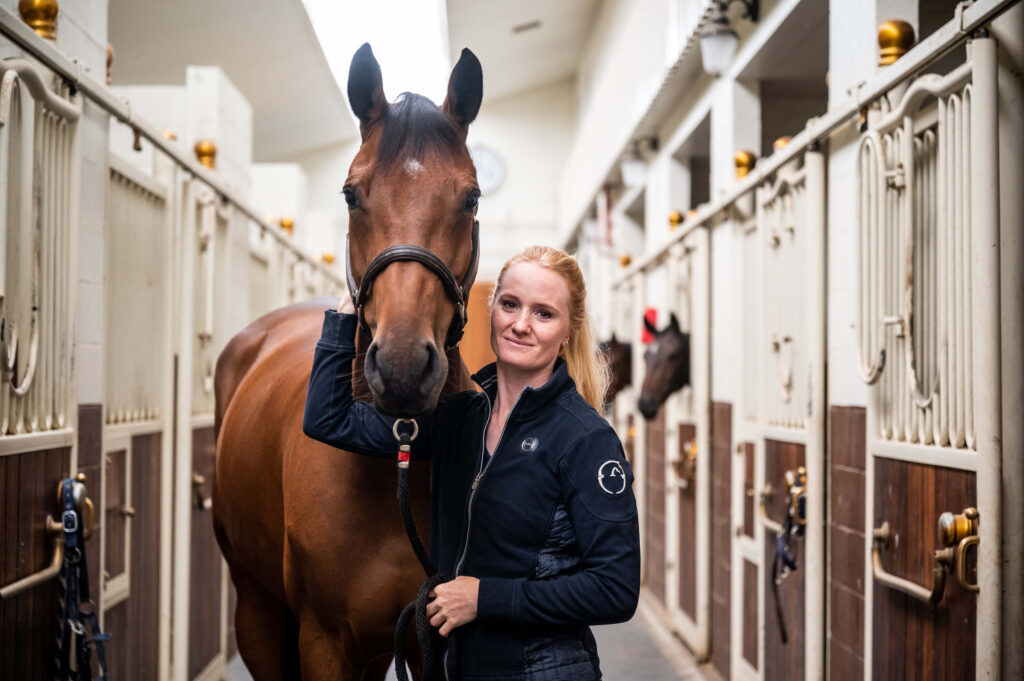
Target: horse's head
point(412, 183)
point(667, 362)
point(620, 365)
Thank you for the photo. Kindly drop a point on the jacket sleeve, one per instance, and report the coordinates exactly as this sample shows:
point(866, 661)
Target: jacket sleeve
point(597, 488)
point(332, 415)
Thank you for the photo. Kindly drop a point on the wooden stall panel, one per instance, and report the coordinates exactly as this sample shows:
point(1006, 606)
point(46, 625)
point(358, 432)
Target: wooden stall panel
point(115, 522)
point(748, 489)
point(721, 541)
point(134, 623)
point(750, 613)
point(782, 661)
point(687, 526)
point(28, 483)
point(205, 587)
point(847, 452)
point(655, 542)
point(911, 639)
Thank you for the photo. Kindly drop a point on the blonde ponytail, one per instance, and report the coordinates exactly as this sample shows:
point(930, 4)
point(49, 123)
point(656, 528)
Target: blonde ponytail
point(583, 358)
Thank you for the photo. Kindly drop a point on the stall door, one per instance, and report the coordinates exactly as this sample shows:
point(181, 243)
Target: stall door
point(929, 350)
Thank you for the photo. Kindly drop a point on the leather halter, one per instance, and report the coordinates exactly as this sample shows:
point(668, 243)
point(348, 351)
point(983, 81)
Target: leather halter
point(457, 292)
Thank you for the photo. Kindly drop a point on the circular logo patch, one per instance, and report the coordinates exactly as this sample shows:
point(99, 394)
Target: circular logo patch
point(611, 477)
point(528, 445)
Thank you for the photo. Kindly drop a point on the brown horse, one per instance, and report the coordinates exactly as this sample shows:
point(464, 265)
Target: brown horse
point(312, 535)
point(667, 366)
point(619, 357)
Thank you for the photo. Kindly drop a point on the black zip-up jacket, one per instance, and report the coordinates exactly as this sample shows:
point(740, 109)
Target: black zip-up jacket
point(548, 523)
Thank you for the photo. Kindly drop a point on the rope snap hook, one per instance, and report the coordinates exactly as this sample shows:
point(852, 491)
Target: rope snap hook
point(404, 438)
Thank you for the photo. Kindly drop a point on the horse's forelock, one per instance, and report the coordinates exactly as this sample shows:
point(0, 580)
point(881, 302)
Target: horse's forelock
point(412, 126)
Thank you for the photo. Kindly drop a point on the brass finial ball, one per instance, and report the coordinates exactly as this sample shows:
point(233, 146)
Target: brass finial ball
point(328, 257)
point(206, 152)
point(895, 38)
point(288, 225)
point(675, 218)
point(781, 142)
point(745, 161)
point(41, 16)
point(625, 259)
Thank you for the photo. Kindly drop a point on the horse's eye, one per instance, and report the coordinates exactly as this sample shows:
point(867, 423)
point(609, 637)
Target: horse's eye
point(350, 198)
point(471, 202)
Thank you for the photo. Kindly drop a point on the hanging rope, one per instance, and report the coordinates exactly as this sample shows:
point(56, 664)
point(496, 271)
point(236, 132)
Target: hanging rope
point(434, 665)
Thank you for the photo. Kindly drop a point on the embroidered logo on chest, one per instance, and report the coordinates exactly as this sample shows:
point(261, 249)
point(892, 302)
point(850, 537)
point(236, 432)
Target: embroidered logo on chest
point(528, 445)
point(611, 477)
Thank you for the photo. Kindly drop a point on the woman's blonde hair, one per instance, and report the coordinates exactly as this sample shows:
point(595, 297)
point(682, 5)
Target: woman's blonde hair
point(582, 355)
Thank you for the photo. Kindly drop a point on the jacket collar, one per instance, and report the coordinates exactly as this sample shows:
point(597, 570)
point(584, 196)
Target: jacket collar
point(531, 400)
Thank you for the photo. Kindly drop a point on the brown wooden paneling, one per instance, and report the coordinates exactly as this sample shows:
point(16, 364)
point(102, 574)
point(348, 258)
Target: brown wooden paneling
point(749, 498)
point(90, 454)
point(28, 483)
point(912, 640)
point(655, 493)
point(783, 660)
point(687, 529)
point(721, 534)
point(117, 623)
point(205, 583)
point(750, 613)
point(846, 499)
point(142, 616)
point(475, 347)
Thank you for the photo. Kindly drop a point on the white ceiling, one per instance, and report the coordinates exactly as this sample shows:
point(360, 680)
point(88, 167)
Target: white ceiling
point(514, 62)
point(266, 47)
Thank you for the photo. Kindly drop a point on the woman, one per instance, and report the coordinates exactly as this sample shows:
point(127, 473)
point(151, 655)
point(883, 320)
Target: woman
point(533, 511)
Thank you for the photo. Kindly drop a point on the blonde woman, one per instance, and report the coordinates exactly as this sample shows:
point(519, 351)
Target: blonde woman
point(533, 510)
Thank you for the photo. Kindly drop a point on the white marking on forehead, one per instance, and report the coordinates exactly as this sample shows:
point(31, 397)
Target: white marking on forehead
point(413, 167)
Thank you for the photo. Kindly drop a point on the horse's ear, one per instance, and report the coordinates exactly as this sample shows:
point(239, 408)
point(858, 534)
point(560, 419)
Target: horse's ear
point(366, 88)
point(673, 321)
point(614, 340)
point(651, 329)
point(465, 90)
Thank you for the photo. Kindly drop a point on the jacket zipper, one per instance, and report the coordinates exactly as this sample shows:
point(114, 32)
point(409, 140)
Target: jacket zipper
point(483, 470)
point(476, 483)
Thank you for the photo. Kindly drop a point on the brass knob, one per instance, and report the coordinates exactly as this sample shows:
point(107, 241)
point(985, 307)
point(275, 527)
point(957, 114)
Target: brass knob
point(781, 142)
point(745, 161)
point(675, 218)
point(170, 134)
point(206, 153)
point(895, 38)
point(953, 528)
point(288, 225)
point(41, 16)
point(625, 259)
point(328, 257)
point(128, 511)
point(110, 60)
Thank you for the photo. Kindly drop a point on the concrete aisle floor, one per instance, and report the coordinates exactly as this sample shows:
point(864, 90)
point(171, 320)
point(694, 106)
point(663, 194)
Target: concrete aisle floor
point(634, 651)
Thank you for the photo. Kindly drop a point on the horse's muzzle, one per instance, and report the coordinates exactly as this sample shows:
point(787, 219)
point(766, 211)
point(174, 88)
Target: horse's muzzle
point(405, 377)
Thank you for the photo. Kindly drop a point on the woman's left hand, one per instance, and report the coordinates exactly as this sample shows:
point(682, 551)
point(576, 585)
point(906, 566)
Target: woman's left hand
point(454, 604)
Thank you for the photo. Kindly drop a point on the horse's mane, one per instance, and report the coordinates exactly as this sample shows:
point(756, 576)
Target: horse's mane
point(412, 126)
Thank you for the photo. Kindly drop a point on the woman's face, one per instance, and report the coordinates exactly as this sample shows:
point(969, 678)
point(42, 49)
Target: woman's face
point(530, 317)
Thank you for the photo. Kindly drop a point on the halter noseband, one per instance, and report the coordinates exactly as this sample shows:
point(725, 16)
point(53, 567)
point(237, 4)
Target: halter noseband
point(457, 292)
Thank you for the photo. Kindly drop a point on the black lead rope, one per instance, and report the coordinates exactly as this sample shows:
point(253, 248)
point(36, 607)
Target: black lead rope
point(782, 565)
point(433, 666)
point(75, 610)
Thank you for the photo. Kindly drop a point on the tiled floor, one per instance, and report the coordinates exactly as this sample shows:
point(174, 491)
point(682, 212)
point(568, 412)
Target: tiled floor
point(636, 650)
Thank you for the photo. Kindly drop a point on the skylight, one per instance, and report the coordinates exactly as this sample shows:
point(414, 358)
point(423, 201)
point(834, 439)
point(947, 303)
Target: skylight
point(409, 39)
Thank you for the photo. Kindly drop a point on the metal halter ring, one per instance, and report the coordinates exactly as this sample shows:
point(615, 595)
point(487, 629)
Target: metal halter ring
point(399, 436)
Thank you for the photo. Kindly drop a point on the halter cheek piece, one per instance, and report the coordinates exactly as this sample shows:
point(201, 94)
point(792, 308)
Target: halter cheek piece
point(457, 293)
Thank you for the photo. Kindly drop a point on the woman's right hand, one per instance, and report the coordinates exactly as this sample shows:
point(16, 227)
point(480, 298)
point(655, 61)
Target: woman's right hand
point(346, 306)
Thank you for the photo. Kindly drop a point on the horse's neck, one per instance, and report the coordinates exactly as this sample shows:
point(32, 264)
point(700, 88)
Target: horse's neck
point(457, 381)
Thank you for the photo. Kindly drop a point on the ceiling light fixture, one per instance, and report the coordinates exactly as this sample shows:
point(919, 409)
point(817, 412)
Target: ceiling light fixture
point(718, 40)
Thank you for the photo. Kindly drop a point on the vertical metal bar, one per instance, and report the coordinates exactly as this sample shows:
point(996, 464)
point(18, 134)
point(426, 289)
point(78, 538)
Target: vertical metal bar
point(985, 253)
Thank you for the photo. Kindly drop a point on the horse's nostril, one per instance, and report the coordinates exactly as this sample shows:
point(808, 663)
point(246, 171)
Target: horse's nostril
point(431, 368)
point(372, 371)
